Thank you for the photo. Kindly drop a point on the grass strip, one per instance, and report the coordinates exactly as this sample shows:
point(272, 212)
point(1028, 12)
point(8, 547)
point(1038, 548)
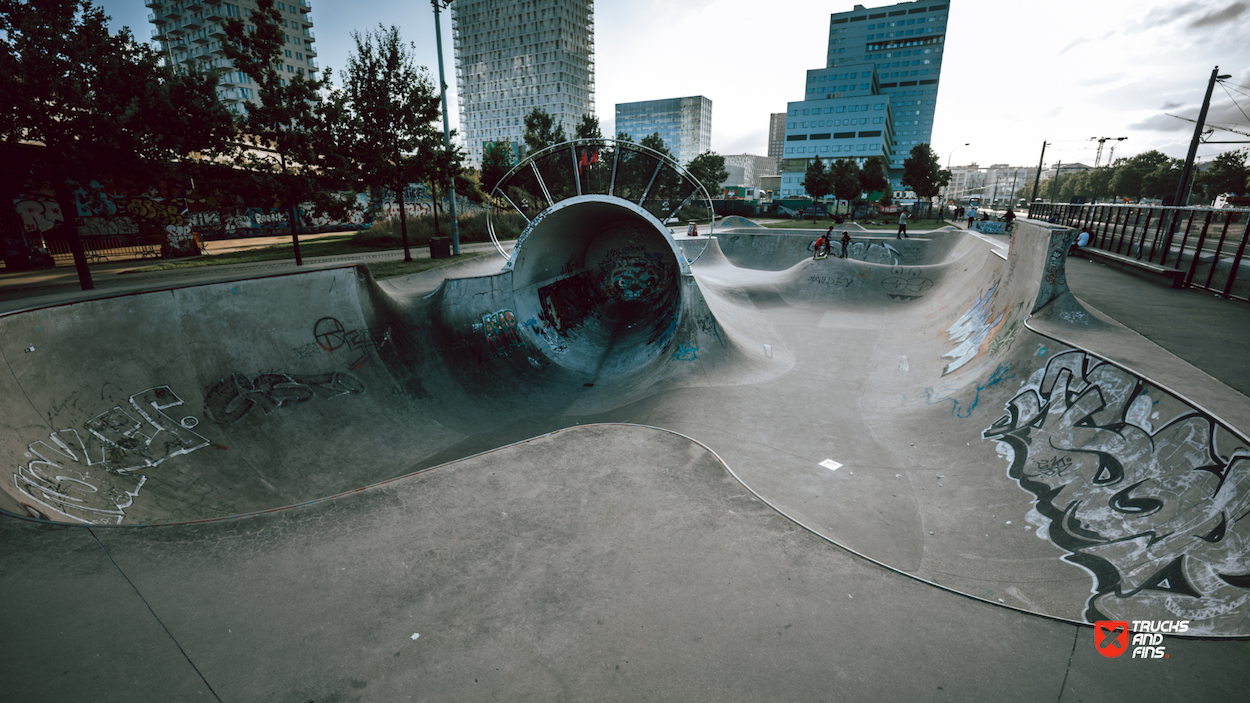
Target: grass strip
point(391, 269)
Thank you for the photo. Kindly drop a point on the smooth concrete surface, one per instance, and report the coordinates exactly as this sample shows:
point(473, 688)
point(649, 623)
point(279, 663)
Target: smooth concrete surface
point(894, 403)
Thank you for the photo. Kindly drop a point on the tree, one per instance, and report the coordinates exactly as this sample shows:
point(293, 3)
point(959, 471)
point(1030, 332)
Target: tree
point(1228, 173)
point(541, 132)
point(817, 181)
point(588, 128)
point(656, 142)
point(99, 103)
point(873, 178)
point(1163, 180)
point(497, 159)
point(709, 170)
point(923, 174)
point(281, 133)
point(844, 182)
point(1129, 173)
point(394, 108)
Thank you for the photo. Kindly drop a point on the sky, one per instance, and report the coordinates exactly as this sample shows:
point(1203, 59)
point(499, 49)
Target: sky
point(1015, 74)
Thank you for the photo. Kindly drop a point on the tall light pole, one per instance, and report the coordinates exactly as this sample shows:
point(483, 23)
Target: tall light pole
point(947, 190)
point(1182, 189)
point(442, 88)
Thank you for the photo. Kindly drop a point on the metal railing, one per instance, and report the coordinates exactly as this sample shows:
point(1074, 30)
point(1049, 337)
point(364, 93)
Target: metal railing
point(1207, 244)
point(106, 247)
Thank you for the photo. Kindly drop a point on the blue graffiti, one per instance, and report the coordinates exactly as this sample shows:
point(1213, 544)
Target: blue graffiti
point(686, 353)
point(934, 396)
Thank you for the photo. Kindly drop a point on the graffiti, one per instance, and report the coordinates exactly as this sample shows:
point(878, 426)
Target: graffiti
point(934, 395)
point(1075, 316)
point(686, 353)
point(1146, 493)
point(500, 329)
point(906, 288)
point(121, 224)
point(874, 252)
point(546, 336)
point(38, 214)
point(1003, 339)
point(835, 281)
point(230, 399)
point(95, 475)
point(1054, 269)
point(566, 303)
point(359, 346)
point(989, 227)
point(973, 332)
point(635, 275)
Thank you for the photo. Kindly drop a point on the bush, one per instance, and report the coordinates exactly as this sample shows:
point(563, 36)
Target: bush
point(385, 233)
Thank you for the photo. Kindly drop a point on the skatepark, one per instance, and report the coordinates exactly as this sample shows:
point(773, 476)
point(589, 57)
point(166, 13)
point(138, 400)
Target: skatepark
point(614, 463)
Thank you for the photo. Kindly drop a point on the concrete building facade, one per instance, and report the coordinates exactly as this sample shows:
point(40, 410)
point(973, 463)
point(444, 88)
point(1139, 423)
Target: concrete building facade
point(777, 138)
point(904, 43)
point(193, 31)
point(685, 124)
point(845, 116)
point(512, 57)
point(748, 169)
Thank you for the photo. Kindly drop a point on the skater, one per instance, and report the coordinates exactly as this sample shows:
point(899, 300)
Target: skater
point(846, 242)
point(821, 246)
point(902, 225)
point(1010, 218)
point(972, 216)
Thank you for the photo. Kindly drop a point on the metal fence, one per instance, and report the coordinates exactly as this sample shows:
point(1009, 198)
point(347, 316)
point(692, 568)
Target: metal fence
point(107, 247)
point(1208, 245)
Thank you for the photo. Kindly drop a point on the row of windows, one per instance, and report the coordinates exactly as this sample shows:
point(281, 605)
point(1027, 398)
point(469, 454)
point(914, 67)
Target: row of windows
point(832, 149)
point(836, 109)
point(833, 123)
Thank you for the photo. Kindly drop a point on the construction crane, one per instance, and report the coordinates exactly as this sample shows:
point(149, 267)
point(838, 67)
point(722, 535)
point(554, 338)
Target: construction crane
point(1101, 142)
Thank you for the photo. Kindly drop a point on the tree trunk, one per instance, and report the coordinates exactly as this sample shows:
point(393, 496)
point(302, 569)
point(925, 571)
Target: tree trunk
point(69, 210)
point(403, 220)
point(299, 260)
point(434, 208)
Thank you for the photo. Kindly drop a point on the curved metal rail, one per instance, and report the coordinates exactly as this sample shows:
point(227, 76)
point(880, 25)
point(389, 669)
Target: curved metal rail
point(620, 169)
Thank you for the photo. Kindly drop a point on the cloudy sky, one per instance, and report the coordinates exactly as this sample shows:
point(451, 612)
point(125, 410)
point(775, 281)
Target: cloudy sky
point(1016, 72)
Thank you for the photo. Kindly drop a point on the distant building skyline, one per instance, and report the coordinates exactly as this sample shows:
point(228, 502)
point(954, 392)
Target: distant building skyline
point(189, 32)
point(512, 57)
point(777, 139)
point(685, 124)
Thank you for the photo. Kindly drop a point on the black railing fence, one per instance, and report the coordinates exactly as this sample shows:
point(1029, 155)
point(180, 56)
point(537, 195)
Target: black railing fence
point(1208, 244)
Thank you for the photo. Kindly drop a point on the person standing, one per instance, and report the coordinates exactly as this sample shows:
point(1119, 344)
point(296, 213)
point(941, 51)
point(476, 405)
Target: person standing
point(1009, 217)
point(902, 225)
point(972, 216)
point(846, 242)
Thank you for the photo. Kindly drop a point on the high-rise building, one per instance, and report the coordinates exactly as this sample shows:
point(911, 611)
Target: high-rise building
point(513, 56)
point(777, 138)
point(845, 116)
point(748, 169)
point(192, 31)
point(904, 43)
point(685, 124)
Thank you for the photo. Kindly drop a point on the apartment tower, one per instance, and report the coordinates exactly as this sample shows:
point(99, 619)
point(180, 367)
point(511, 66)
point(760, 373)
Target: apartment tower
point(515, 55)
point(192, 31)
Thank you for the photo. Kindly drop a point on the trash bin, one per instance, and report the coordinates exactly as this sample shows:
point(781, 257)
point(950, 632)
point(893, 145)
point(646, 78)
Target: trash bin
point(440, 247)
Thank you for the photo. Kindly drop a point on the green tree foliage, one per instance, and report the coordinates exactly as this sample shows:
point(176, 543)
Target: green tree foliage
point(497, 160)
point(102, 104)
point(709, 170)
point(873, 177)
point(588, 128)
point(816, 180)
point(541, 131)
point(286, 136)
point(1228, 173)
point(655, 141)
point(1162, 181)
point(923, 174)
point(844, 180)
point(1131, 173)
point(394, 108)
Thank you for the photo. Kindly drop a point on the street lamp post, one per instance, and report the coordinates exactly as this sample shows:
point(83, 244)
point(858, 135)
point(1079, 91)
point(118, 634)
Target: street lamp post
point(946, 191)
point(442, 88)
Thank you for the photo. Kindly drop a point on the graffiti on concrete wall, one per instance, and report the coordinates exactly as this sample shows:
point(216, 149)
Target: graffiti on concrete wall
point(874, 252)
point(93, 474)
point(566, 303)
point(978, 328)
point(905, 285)
point(354, 347)
point(39, 214)
point(1148, 494)
point(635, 275)
point(230, 399)
point(500, 329)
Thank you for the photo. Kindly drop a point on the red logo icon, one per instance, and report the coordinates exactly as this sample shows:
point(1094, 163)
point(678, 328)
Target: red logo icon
point(1111, 637)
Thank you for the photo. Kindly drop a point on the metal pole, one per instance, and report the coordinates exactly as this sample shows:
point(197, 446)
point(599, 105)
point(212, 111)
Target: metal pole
point(1038, 180)
point(442, 87)
point(1193, 144)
